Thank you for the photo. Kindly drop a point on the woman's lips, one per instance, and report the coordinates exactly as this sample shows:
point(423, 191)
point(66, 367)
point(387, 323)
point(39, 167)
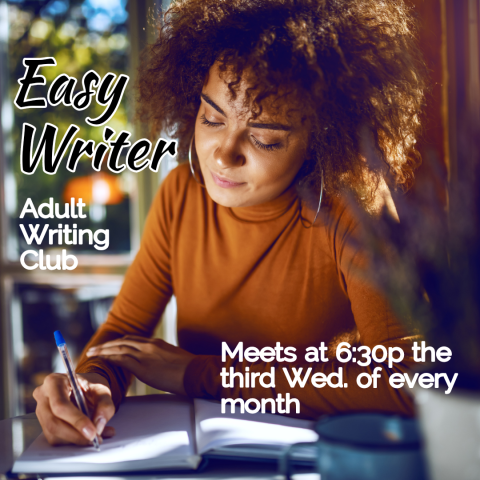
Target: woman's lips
point(224, 183)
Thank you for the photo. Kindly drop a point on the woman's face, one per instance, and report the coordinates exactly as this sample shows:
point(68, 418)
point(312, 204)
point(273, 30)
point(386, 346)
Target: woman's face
point(247, 162)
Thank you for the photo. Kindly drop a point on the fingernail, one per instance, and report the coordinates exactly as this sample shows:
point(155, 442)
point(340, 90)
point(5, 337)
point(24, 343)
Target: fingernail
point(100, 424)
point(89, 433)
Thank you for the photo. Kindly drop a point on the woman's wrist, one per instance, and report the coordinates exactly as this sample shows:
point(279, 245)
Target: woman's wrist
point(194, 376)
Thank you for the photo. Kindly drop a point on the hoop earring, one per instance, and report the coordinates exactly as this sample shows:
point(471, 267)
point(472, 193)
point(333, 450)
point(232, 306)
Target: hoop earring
point(190, 161)
point(318, 209)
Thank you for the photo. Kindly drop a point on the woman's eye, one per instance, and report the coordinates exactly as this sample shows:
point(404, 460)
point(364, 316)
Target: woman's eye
point(208, 122)
point(262, 146)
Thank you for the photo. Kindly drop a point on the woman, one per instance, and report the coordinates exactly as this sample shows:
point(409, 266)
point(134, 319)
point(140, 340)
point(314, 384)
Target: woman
point(280, 106)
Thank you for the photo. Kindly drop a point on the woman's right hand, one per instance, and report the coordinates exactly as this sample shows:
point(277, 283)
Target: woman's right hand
point(62, 421)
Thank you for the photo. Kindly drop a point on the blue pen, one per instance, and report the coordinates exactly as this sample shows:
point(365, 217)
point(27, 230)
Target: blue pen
point(77, 391)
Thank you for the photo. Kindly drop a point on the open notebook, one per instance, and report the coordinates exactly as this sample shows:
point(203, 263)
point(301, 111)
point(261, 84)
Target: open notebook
point(159, 432)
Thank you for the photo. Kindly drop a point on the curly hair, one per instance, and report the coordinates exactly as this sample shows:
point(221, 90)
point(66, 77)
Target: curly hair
point(353, 64)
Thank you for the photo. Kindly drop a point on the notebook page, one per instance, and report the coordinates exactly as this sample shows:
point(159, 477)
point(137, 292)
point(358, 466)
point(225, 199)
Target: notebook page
point(215, 430)
point(155, 431)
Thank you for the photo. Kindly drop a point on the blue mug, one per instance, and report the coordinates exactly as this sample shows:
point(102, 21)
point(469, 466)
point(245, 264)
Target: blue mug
point(364, 446)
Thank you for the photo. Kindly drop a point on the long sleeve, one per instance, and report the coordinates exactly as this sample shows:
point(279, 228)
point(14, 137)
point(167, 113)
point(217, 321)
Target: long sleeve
point(146, 290)
point(374, 321)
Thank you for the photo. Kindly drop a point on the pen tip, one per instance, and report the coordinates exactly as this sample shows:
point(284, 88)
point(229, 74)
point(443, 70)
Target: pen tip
point(96, 444)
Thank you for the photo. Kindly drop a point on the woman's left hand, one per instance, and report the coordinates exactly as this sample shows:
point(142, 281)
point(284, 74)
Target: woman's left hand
point(153, 361)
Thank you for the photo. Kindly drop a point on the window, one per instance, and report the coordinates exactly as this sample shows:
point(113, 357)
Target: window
point(82, 35)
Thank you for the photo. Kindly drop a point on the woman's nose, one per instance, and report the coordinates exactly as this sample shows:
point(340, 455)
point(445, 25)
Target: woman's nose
point(228, 153)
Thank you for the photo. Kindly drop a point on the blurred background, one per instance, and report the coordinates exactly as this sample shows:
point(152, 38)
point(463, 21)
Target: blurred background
point(82, 35)
point(108, 36)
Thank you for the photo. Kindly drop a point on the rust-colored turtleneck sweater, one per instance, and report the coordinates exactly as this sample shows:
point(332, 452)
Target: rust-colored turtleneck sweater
point(254, 275)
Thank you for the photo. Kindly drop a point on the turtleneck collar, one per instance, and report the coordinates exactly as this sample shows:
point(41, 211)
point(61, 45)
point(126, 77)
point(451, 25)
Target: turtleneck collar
point(266, 211)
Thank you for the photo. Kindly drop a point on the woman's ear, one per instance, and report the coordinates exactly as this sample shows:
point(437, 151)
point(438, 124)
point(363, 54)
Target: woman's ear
point(384, 200)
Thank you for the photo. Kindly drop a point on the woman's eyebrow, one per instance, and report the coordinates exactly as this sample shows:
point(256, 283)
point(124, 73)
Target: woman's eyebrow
point(270, 126)
point(212, 103)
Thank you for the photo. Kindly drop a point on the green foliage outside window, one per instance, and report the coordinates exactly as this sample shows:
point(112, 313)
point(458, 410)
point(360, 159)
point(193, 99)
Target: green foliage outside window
point(81, 35)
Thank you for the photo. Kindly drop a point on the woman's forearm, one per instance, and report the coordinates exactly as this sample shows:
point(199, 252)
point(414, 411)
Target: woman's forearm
point(202, 379)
